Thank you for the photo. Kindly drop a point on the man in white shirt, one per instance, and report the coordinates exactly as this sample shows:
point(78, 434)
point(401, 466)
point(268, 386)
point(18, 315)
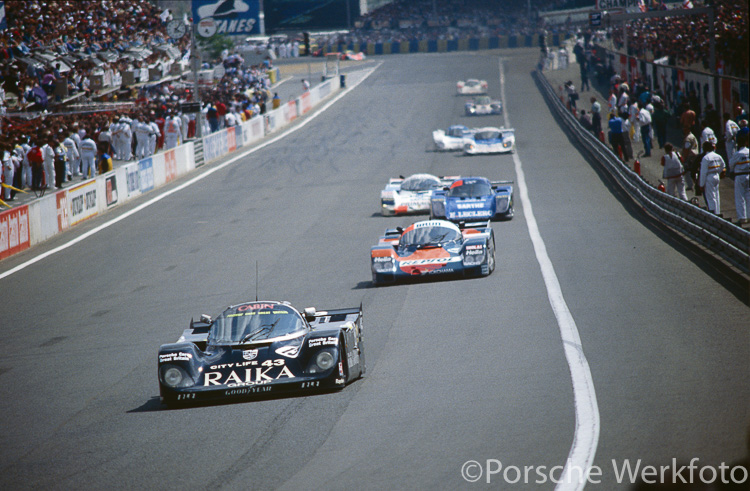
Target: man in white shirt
point(48, 154)
point(712, 166)
point(88, 157)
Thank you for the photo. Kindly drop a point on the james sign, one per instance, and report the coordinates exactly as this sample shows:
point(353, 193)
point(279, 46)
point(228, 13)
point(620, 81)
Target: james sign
point(228, 17)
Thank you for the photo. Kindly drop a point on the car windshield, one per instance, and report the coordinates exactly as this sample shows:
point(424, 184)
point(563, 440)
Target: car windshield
point(484, 100)
point(420, 183)
point(472, 83)
point(457, 131)
point(254, 322)
point(428, 235)
point(487, 135)
point(470, 188)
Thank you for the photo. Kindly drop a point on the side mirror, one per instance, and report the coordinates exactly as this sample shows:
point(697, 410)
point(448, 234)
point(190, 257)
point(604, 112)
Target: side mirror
point(206, 318)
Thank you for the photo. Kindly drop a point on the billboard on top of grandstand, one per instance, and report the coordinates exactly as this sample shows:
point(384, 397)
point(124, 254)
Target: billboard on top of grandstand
point(227, 17)
point(617, 4)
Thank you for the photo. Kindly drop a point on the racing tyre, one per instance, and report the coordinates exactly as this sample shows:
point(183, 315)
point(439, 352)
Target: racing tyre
point(491, 256)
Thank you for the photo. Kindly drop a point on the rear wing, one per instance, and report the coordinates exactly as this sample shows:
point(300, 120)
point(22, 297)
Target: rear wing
point(336, 318)
point(473, 225)
point(500, 183)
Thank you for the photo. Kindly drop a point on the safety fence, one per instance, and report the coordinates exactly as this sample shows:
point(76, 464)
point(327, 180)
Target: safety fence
point(445, 45)
point(720, 237)
point(26, 225)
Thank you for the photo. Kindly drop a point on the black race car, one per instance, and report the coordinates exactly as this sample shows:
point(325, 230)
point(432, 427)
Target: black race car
point(261, 348)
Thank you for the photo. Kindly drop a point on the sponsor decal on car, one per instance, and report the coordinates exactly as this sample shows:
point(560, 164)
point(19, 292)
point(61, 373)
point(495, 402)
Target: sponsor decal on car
point(469, 206)
point(434, 260)
point(329, 341)
point(249, 354)
point(167, 357)
point(289, 351)
point(252, 376)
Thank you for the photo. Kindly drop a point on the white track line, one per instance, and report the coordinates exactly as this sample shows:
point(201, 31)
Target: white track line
point(192, 181)
point(586, 437)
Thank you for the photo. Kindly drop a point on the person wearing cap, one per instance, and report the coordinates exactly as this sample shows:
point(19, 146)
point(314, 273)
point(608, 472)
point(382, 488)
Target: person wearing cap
point(739, 168)
point(712, 169)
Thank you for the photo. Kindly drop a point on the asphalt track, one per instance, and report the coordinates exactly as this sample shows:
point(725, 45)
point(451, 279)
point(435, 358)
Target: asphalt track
point(457, 370)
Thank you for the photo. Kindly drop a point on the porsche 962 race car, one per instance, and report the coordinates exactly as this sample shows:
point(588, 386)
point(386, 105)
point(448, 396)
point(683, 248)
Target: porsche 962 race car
point(454, 138)
point(483, 105)
point(433, 247)
point(261, 348)
point(474, 198)
point(490, 140)
point(472, 86)
point(411, 194)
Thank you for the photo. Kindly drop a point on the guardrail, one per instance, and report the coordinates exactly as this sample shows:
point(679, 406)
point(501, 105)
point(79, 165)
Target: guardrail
point(29, 224)
point(721, 237)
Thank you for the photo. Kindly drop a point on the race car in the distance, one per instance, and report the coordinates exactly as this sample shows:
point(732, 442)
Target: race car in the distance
point(453, 138)
point(472, 86)
point(262, 348)
point(483, 105)
point(433, 247)
point(490, 140)
point(474, 198)
point(412, 194)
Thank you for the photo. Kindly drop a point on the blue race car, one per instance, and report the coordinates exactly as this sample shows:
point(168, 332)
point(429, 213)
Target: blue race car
point(473, 198)
point(433, 247)
point(490, 140)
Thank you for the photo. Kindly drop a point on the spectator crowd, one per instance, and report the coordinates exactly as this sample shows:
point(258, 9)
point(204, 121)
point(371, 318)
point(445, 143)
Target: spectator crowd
point(132, 121)
point(685, 40)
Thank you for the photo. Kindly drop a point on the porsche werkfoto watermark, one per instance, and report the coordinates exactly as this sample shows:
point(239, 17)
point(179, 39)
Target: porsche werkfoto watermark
point(627, 471)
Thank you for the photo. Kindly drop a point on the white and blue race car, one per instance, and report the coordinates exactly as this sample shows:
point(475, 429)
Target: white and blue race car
point(471, 86)
point(454, 138)
point(491, 140)
point(403, 196)
point(473, 198)
point(482, 106)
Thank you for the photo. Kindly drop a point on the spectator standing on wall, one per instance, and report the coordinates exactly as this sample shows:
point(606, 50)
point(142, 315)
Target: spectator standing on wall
point(48, 156)
point(660, 119)
point(596, 117)
point(88, 157)
point(634, 130)
point(708, 135)
point(730, 135)
point(221, 112)
point(673, 172)
point(36, 161)
point(739, 168)
point(690, 152)
point(570, 89)
point(712, 169)
point(142, 130)
point(213, 118)
point(616, 135)
point(60, 162)
point(585, 120)
point(644, 121)
point(9, 169)
point(687, 119)
point(73, 157)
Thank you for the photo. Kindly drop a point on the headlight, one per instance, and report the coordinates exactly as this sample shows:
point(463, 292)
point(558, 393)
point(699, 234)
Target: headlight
point(501, 203)
point(174, 376)
point(469, 146)
point(383, 264)
point(324, 360)
point(473, 257)
point(506, 144)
